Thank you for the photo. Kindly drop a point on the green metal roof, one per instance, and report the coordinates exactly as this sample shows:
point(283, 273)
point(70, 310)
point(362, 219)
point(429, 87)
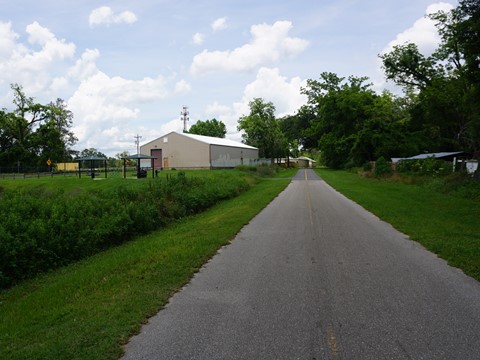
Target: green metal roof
point(86, 158)
point(139, 156)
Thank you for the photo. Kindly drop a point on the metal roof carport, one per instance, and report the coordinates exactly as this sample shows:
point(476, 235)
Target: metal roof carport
point(448, 156)
point(137, 157)
point(91, 159)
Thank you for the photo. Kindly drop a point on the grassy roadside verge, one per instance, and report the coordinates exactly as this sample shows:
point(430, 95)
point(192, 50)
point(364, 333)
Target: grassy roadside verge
point(87, 310)
point(446, 225)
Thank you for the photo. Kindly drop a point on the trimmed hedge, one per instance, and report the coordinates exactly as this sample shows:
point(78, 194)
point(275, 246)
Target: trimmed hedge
point(42, 228)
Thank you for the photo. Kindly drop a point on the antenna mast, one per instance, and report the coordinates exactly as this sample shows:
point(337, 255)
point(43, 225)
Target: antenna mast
point(137, 142)
point(184, 117)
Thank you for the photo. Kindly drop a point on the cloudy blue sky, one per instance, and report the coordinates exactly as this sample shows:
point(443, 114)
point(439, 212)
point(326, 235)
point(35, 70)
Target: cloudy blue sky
point(128, 67)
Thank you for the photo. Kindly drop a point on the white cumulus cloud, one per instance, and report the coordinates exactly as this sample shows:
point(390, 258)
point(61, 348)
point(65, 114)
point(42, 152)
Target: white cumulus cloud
point(283, 93)
point(101, 98)
point(216, 110)
point(269, 85)
point(102, 103)
point(182, 87)
point(104, 15)
point(8, 41)
point(85, 67)
point(219, 24)
point(198, 38)
point(423, 32)
point(35, 65)
point(269, 44)
point(47, 67)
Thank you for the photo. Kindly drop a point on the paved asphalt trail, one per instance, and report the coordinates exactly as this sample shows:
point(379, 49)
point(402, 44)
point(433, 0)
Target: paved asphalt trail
point(314, 276)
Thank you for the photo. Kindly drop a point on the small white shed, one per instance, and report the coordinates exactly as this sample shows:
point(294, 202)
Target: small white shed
point(305, 162)
point(189, 151)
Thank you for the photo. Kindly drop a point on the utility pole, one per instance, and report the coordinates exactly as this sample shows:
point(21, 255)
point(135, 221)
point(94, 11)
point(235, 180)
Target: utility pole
point(184, 117)
point(137, 142)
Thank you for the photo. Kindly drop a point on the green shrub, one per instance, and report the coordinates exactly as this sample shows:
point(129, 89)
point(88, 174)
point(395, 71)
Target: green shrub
point(43, 229)
point(263, 170)
point(267, 170)
point(350, 164)
point(246, 168)
point(461, 184)
point(181, 175)
point(382, 167)
point(367, 166)
point(425, 167)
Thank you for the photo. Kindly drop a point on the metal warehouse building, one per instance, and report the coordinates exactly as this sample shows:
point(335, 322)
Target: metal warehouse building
point(188, 151)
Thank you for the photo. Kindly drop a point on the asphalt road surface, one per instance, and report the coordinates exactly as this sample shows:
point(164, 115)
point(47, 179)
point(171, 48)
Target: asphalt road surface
point(315, 276)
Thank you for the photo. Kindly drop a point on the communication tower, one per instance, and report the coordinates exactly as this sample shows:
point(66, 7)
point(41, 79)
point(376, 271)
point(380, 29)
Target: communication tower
point(184, 117)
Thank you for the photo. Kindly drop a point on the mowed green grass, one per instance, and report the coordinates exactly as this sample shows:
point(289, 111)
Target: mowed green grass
point(89, 309)
point(446, 225)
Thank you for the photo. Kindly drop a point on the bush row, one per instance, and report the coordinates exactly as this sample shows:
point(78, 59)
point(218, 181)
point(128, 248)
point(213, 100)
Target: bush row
point(431, 173)
point(420, 167)
point(262, 170)
point(42, 229)
point(425, 167)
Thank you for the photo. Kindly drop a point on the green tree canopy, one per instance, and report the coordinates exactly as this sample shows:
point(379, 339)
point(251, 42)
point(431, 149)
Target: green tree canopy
point(407, 67)
point(341, 109)
point(262, 130)
point(122, 155)
point(447, 83)
point(92, 152)
point(350, 124)
point(296, 129)
point(33, 133)
point(211, 127)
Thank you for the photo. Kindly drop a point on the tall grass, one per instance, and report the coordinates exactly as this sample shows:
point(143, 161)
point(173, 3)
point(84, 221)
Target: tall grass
point(43, 226)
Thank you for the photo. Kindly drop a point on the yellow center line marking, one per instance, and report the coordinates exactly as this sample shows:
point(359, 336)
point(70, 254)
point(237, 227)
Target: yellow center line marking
point(332, 340)
point(309, 199)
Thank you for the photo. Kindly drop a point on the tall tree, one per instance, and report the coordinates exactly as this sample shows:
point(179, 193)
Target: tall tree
point(211, 127)
point(460, 33)
point(351, 124)
point(296, 128)
point(33, 133)
point(122, 155)
point(407, 67)
point(447, 83)
point(261, 129)
point(341, 109)
point(92, 152)
point(385, 132)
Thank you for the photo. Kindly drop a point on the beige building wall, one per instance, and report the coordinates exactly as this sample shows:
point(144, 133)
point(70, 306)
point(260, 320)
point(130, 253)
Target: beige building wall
point(226, 156)
point(179, 152)
point(184, 152)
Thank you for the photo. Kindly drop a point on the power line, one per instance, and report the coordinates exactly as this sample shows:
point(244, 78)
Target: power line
point(137, 142)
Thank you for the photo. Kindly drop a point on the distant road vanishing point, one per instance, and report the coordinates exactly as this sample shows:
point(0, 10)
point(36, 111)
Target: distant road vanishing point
point(315, 276)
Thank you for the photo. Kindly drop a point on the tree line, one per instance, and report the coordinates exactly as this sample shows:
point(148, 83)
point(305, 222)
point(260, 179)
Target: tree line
point(344, 121)
point(349, 124)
